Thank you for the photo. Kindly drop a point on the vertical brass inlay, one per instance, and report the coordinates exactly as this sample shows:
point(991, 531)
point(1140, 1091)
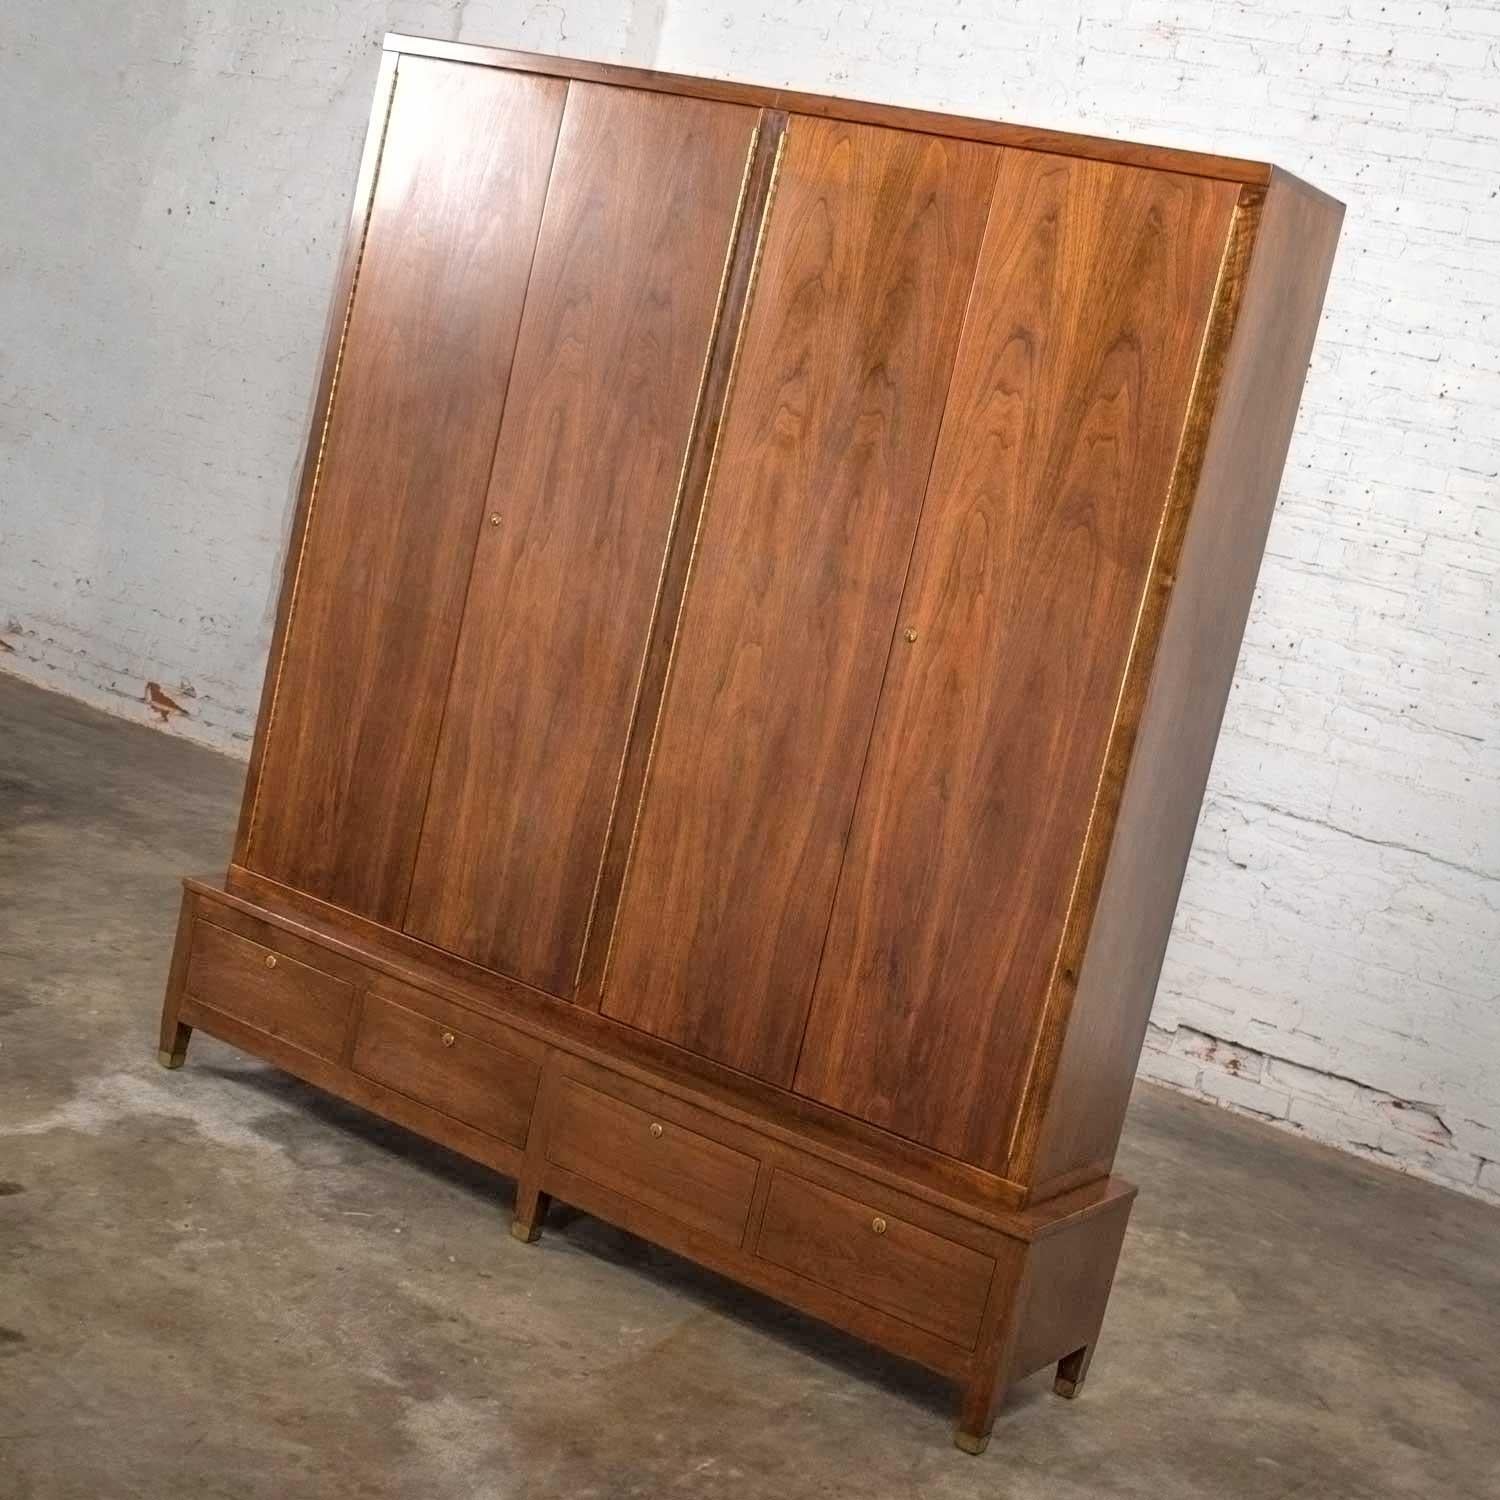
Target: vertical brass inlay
point(661, 576)
point(708, 485)
point(1182, 486)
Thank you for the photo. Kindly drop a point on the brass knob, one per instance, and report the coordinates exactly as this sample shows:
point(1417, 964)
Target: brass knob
point(494, 518)
point(655, 1131)
point(878, 1224)
point(270, 960)
point(910, 634)
point(449, 1039)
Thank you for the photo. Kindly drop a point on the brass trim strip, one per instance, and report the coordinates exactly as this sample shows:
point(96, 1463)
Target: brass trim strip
point(687, 578)
point(1182, 487)
point(312, 496)
point(666, 554)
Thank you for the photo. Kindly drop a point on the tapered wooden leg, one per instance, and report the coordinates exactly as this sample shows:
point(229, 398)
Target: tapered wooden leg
point(531, 1202)
point(531, 1211)
point(976, 1413)
point(173, 1045)
point(1071, 1372)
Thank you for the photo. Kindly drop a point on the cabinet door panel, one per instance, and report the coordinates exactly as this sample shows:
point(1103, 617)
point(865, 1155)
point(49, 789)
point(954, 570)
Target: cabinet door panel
point(618, 323)
point(389, 537)
point(1068, 403)
point(868, 255)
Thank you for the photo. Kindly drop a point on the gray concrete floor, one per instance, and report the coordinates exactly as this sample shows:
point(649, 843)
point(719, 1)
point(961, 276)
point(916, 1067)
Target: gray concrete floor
point(219, 1283)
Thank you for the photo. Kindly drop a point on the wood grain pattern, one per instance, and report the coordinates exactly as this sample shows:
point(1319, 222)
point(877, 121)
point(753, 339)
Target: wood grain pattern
point(335, 327)
point(1068, 402)
point(265, 989)
point(586, 482)
point(869, 252)
point(489, 1087)
point(378, 582)
point(1006, 1240)
point(899, 1267)
point(860, 111)
point(590, 1048)
point(1067, 1290)
point(249, 898)
point(838, 539)
point(1243, 437)
point(336, 1079)
point(731, 1259)
point(174, 1036)
point(711, 406)
point(666, 1166)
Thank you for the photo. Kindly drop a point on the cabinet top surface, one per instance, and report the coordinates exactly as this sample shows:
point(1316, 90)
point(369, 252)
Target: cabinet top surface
point(1022, 137)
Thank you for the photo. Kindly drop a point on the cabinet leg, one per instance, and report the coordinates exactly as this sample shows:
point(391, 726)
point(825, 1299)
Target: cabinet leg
point(1071, 1372)
point(531, 1210)
point(172, 1048)
point(976, 1413)
point(174, 1043)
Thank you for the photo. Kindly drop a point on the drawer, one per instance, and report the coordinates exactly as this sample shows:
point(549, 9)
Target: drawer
point(449, 1069)
point(867, 1253)
point(291, 1001)
point(654, 1159)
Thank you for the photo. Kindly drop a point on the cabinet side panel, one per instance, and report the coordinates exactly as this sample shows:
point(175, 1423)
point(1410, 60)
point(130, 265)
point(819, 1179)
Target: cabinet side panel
point(1249, 432)
point(619, 318)
point(380, 574)
point(868, 256)
point(1034, 555)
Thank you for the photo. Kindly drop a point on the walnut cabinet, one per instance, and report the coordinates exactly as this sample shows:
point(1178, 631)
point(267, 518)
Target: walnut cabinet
point(767, 576)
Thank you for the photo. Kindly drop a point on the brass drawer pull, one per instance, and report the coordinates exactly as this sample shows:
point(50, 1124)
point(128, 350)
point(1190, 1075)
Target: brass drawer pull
point(449, 1039)
point(655, 1131)
point(878, 1224)
point(270, 960)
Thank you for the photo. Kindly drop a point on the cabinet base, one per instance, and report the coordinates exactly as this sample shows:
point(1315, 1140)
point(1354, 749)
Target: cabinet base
point(982, 1296)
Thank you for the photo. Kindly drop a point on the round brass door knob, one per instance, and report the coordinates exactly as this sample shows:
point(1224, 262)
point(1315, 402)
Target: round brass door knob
point(655, 1131)
point(270, 960)
point(449, 1039)
point(878, 1224)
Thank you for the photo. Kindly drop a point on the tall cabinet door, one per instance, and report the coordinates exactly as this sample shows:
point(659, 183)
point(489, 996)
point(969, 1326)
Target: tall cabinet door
point(1048, 493)
point(866, 261)
point(588, 472)
point(378, 581)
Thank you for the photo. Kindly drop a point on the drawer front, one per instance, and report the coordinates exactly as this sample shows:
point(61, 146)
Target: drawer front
point(475, 1081)
point(652, 1159)
point(869, 1254)
point(289, 1000)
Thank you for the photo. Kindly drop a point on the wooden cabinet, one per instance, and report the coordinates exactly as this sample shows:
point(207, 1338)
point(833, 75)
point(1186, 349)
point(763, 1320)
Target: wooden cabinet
point(766, 580)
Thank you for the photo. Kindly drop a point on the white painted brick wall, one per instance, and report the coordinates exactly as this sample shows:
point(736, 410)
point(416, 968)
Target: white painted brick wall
point(175, 191)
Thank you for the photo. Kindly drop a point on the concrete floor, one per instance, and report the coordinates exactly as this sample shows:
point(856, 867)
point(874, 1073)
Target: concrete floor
point(218, 1283)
